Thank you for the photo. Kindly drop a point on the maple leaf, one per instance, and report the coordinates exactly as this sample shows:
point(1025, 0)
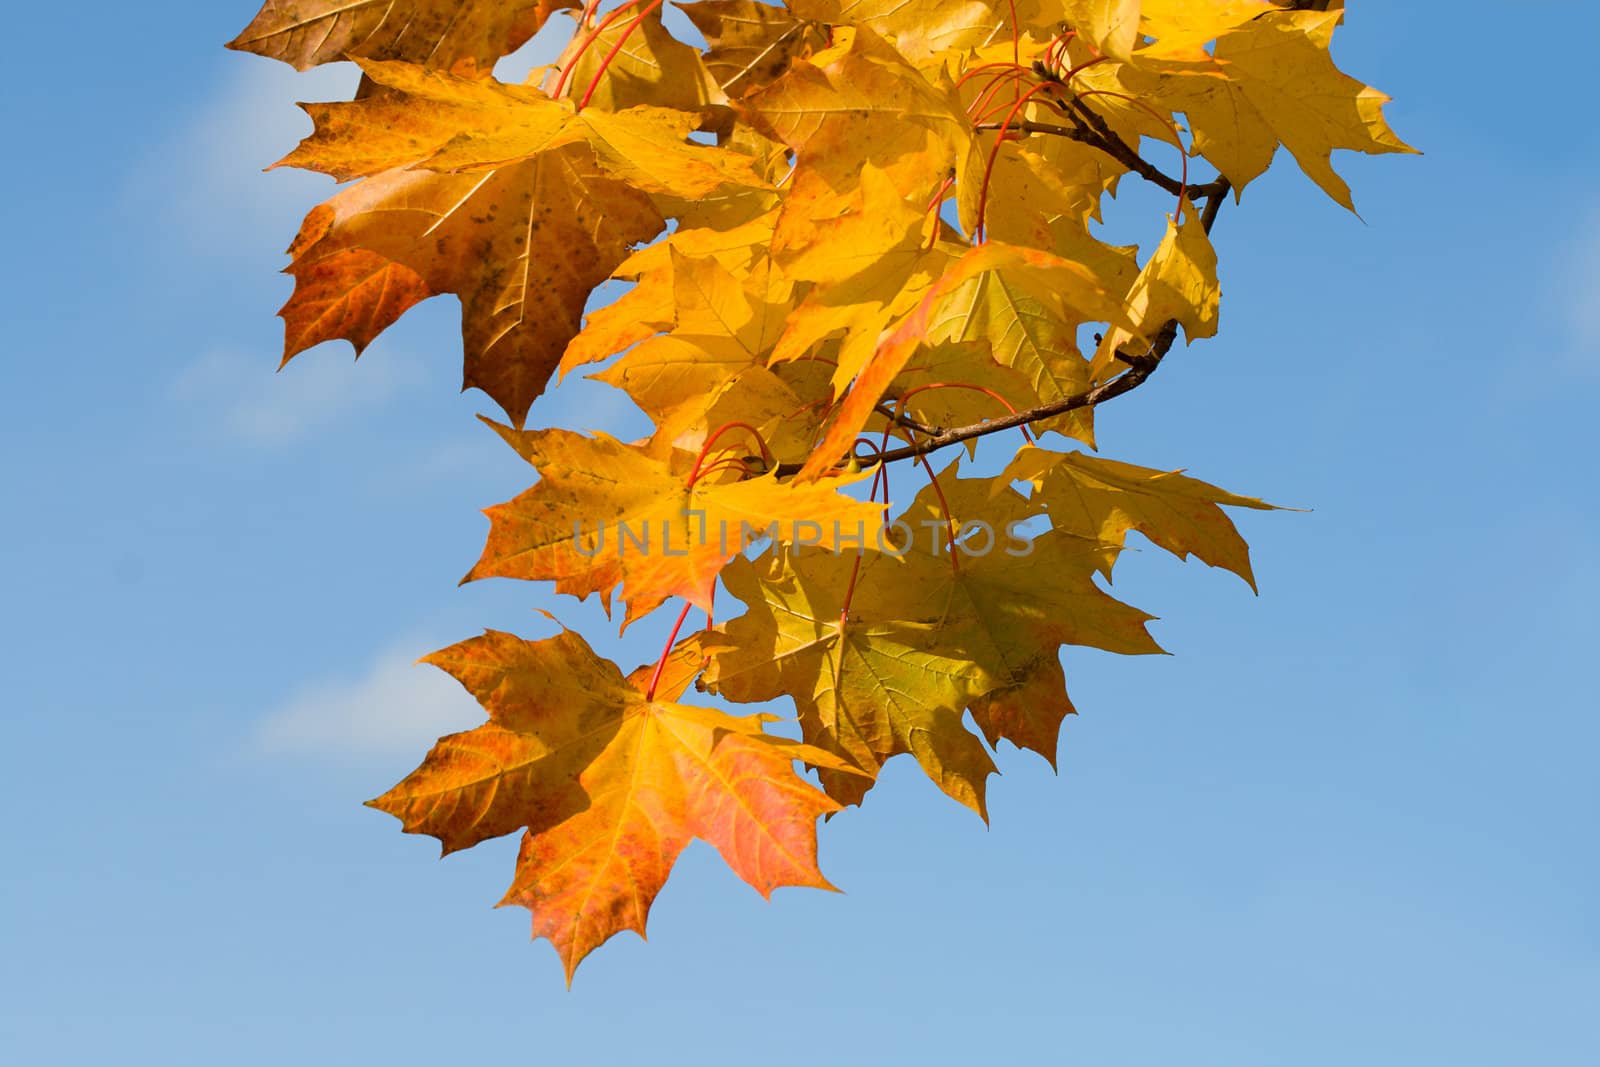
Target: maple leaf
point(973, 299)
point(606, 513)
point(522, 218)
point(867, 260)
point(921, 30)
point(705, 337)
point(720, 332)
point(649, 66)
point(883, 661)
point(649, 307)
point(1177, 285)
point(861, 101)
point(521, 245)
point(352, 295)
point(469, 34)
point(550, 716)
point(609, 784)
point(1180, 29)
point(866, 685)
point(1282, 70)
point(1007, 603)
point(449, 123)
point(1029, 714)
point(1103, 498)
point(1278, 85)
point(1049, 202)
point(1111, 26)
point(750, 44)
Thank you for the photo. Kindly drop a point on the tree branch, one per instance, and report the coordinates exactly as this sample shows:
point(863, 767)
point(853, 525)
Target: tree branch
point(894, 416)
point(1108, 142)
point(1141, 366)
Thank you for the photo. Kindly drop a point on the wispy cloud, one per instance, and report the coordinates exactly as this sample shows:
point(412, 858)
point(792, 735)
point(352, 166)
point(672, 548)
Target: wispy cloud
point(1579, 283)
point(395, 707)
point(205, 181)
point(251, 404)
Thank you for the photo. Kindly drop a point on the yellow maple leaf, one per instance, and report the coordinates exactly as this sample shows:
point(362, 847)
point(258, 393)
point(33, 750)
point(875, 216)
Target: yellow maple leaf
point(1178, 284)
point(1181, 28)
point(1111, 26)
point(444, 122)
point(606, 513)
point(649, 67)
point(972, 300)
point(1104, 499)
point(861, 102)
point(1274, 82)
point(923, 639)
point(920, 29)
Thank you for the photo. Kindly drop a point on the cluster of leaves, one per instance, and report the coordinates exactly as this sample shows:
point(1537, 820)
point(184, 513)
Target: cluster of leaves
point(857, 232)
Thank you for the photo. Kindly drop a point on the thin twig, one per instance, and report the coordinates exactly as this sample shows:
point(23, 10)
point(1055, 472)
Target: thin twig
point(1123, 383)
point(1141, 365)
point(1114, 147)
point(907, 421)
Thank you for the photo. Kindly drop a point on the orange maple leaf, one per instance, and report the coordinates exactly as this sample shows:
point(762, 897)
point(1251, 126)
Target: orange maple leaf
point(610, 784)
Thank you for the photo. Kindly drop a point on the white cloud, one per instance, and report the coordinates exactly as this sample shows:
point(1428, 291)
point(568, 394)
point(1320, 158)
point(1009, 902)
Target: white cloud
point(1581, 280)
point(396, 707)
point(259, 407)
point(206, 183)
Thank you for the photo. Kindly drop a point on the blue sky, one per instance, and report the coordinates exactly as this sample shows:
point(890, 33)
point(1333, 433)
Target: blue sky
point(1351, 820)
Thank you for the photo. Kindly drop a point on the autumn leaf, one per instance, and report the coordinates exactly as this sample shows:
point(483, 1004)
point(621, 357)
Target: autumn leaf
point(605, 514)
point(750, 44)
point(1278, 85)
point(1282, 70)
point(706, 365)
point(551, 713)
point(353, 296)
point(649, 67)
point(1103, 498)
point(609, 784)
point(649, 306)
point(1111, 26)
point(1029, 714)
point(521, 245)
point(720, 333)
point(862, 102)
point(421, 123)
point(521, 221)
point(975, 299)
point(1049, 199)
point(865, 685)
point(884, 660)
point(1180, 29)
point(451, 34)
point(921, 29)
point(1177, 285)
